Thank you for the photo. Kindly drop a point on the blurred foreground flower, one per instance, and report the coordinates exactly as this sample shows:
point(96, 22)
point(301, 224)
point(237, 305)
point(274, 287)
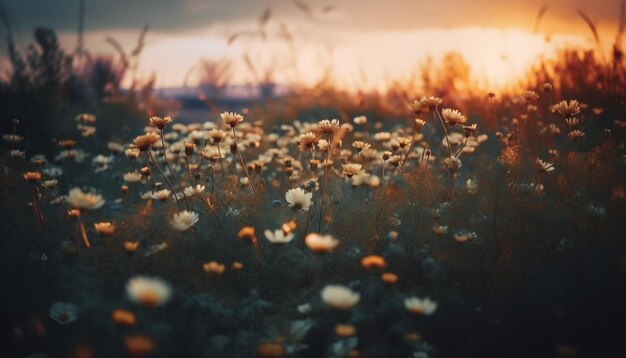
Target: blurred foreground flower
point(184, 220)
point(148, 291)
point(84, 201)
point(63, 313)
point(278, 236)
point(339, 297)
point(420, 306)
point(320, 243)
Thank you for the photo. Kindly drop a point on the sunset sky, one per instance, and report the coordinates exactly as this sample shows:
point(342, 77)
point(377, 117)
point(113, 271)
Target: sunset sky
point(366, 42)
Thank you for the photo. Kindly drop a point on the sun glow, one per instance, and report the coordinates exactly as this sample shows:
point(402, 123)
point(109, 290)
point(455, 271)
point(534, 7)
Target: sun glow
point(355, 60)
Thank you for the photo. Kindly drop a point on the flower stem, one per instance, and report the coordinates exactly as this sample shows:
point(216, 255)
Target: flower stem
point(326, 162)
point(219, 152)
point(38, 213)
point(83, 233)
point(243, 164)
point(172, 171)
point(156, 164)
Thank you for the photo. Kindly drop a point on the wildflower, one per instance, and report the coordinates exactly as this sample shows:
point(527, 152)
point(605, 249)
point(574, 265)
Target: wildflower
point(469, 130)
point(373, 261)
point(440, 230)
point(105, 228)
point(132, 177)
point(464, 236)
point(471, 186)
point(17, 154)
point(547, 87)
point(382, 136)
point(247, 233)
point(160, 122)
point(214, 267)
point(148, 291)
point(568, 109)
point(123, 317)
point(50, 184)
point(320, 243)
point(138, 345)
point(189, 149)
point(63, 313)
point(13, 138)
point(404, 141)
point(530, 96)
point(32, 177)
point(431, 102)
point(572, 121)
point(418, 107)
point(374, 181)
point(132, 153)
point(360, 120)
point(419, 124)
point(453, 116)
point(339, 297)
point(395, 160)
point(162, 194)
point(298, 199)
point(351, 169)
point(575, 134)
point(84, 201)
point(307, 140)
point(85, 117)
point(145, 141)
point(115, 147)
point(131, 246)
point(420, 306)
point(326, 126)
point(389, 278)
point(87, 131)
point(194, 191)
point(231, 118)
point(359, 146)
point(360, 179)
point(278, 236)
point(67, 143)
point(544, 167)
point(271, 349)
point(345, 330)
point(184, 220)
point(218, 135)
point(452, 163)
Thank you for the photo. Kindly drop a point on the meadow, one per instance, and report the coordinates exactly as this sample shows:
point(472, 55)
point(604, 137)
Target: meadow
point(431, 220)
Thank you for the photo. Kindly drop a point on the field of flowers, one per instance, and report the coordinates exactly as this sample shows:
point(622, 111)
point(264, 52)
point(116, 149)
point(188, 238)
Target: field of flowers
point(445, 225)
